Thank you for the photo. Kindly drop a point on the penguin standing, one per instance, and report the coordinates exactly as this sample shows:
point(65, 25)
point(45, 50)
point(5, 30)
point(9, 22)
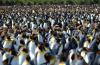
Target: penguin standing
point(32, 48)
point(27, 61)
point(40, 52)
point(22, 55)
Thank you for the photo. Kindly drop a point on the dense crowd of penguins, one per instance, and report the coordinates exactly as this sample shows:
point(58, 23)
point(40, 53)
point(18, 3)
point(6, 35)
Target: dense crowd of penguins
point(50, 35)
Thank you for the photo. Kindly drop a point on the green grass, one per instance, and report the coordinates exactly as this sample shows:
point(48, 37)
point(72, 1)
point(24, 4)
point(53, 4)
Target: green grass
point(27, 2)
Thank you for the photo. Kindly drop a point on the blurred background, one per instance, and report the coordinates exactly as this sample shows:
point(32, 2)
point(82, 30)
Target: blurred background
point(31, 2)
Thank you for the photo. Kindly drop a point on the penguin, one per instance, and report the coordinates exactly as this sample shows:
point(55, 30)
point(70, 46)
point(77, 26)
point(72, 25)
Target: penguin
point(32, 47)
point(7, 43)
point(40, 54)
point(40, 37)
point(27, 61)
point(14, 58)
point(22, 55)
